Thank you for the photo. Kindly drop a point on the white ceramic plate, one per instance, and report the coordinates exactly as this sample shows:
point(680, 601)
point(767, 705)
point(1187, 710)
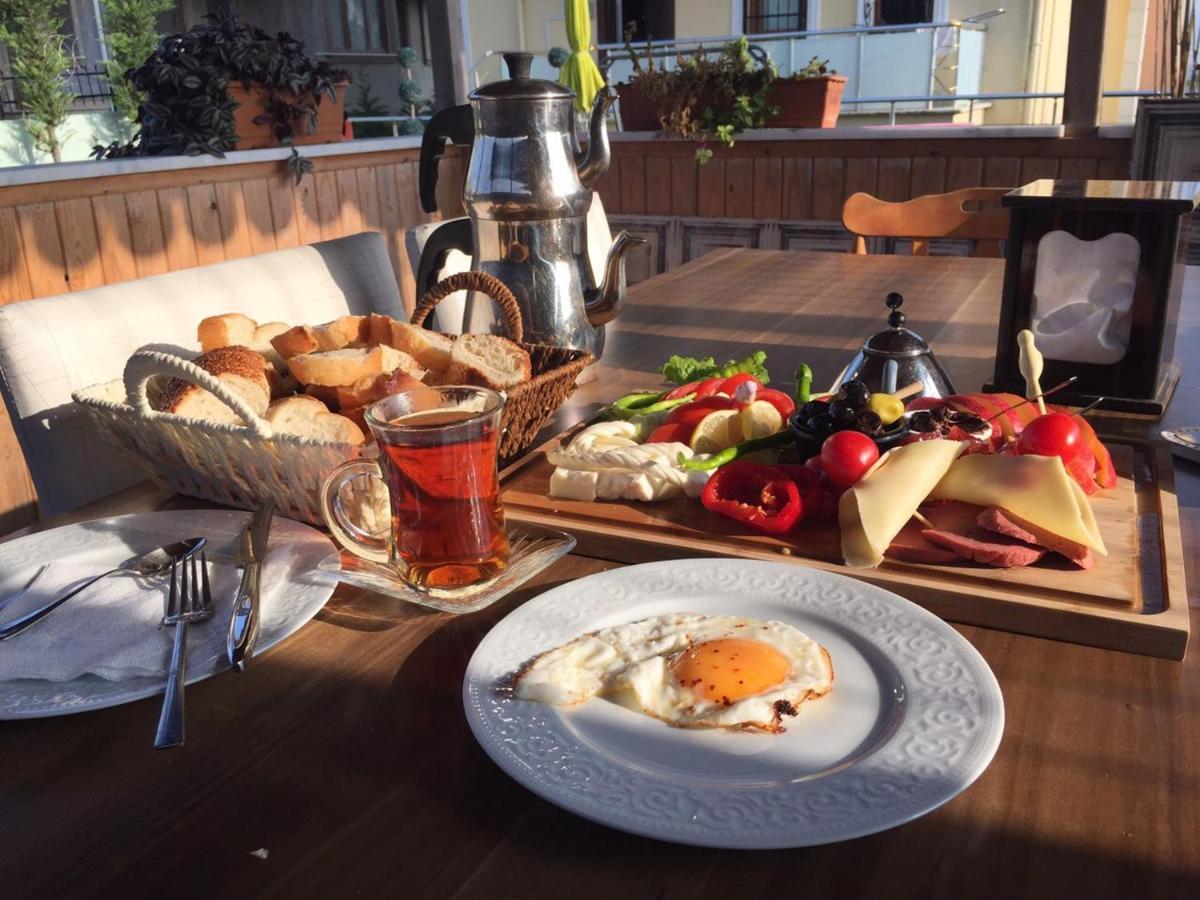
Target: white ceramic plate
point(915, 715)
point(104, 543)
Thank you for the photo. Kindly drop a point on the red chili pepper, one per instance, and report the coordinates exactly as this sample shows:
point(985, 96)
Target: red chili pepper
point(808, 483)
point(755, 495)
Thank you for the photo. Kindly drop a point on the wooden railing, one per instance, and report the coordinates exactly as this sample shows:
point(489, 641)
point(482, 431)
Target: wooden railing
point(68, 235)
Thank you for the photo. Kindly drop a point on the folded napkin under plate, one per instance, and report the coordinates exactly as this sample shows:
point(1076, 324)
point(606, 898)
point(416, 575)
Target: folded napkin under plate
point(112, 629)
point(106, 645)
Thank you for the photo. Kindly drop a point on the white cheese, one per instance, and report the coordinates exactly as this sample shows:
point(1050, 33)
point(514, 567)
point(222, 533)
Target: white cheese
point(573, 484)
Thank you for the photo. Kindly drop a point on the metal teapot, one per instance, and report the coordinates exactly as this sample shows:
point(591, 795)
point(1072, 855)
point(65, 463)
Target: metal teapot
point(527, 194)
point(895, 358)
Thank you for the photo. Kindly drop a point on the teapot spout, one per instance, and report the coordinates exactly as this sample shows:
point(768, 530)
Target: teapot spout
point(593, 162)
point(603, 303)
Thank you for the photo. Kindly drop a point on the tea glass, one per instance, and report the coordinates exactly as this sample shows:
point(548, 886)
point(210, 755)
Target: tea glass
point(438, 449)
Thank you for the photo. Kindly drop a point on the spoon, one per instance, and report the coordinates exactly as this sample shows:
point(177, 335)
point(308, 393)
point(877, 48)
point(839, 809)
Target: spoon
point(154, 562)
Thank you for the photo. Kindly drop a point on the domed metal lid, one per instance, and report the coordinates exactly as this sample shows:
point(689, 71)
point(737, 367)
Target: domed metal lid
point(520, 86)
point(896, 341)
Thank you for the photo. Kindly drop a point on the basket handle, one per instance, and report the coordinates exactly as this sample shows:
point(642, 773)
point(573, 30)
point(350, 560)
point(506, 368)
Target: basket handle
point(484, 284)
point(145, 364)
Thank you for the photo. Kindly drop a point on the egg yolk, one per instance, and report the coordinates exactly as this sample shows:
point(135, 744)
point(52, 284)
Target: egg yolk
point(726, 670)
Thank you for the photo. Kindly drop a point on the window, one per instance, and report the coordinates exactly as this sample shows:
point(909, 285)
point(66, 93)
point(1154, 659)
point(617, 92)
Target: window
point(903, 12)
point(764, 16)
point(358, 26)
point(646, 20)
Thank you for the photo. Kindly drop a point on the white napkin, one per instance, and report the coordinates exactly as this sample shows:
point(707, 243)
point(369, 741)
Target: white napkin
point(112, 629)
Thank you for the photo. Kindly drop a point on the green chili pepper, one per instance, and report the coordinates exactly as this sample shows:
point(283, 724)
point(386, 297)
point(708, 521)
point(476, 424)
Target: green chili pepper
point(633, 406)
point(729, 454)
point(804, 377)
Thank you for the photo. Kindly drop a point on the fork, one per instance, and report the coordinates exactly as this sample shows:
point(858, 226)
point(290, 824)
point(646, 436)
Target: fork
point(188, 600)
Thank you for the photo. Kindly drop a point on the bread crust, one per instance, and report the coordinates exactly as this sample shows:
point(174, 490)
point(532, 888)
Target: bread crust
point(337, 368)
point(307, 417)
point(239, 365)
point(225, 330)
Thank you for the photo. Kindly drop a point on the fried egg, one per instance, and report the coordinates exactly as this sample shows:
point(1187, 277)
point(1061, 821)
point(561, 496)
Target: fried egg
point(689, 670)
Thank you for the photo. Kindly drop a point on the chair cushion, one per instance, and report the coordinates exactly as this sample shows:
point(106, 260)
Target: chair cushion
point(55, 345)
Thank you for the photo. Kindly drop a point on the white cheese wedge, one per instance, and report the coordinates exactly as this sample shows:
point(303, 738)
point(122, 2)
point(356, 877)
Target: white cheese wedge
point(872, 512)
point(573, 484)
point(1036, 488)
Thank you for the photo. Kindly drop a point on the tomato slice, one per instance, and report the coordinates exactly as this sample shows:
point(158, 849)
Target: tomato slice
point(682, 391)
point(756, 495)
point(730, 384)
point(778, 399)
point(671, 432)
point(709, 387)
point(692, 413)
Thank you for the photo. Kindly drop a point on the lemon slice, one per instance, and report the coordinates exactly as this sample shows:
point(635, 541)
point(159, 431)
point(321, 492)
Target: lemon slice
point(759, 419)
point(719, 429)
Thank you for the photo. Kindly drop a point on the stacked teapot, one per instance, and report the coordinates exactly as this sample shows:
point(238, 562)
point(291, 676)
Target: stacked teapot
point(527, 194)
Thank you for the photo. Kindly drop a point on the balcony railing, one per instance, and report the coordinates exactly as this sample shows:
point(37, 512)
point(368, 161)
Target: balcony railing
point(90, 87)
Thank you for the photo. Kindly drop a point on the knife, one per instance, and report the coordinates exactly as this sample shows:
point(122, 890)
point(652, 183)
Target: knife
point(243, 622)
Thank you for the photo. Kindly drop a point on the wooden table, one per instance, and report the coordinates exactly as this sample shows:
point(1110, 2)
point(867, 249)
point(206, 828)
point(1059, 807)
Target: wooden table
point(344, 755)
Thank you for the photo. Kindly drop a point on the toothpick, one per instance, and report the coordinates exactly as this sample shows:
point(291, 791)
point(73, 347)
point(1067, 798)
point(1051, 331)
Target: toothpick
point(1031, 367)
point(920, 518)
point(907, 391)
point(1087, 409)
point(1046, 393)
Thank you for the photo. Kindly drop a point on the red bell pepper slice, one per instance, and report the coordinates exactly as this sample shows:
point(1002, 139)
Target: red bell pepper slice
point(754, 494)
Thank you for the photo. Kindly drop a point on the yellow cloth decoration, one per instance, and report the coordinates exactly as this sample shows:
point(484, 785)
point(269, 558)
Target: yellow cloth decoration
point(579, 72)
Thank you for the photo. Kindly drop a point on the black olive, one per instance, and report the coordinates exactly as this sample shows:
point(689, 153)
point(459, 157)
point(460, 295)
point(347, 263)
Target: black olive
point(869, 423)
point(856, 393)
point(841, 412)
point(821, 424)
point(813, 408)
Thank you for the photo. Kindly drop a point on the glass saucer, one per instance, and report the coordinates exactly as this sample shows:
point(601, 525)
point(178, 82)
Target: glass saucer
point(531, 550)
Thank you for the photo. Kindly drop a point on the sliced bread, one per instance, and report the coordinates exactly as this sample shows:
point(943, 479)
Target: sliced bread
point(242, 370)
point(429, 348)
point(295, 341)
point(487, 360)
point(226, 330)
point(308, 417)
point(370, 388)
point(335, 368)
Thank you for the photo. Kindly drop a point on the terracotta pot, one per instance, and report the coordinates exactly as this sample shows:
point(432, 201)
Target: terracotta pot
point(807, 102)
point(253, 103)
point(638, 112)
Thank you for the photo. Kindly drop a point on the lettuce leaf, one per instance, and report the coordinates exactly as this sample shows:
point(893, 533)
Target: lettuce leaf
point(682, 369)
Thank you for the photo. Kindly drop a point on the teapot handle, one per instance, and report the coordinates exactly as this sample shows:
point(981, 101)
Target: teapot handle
point(454, 124)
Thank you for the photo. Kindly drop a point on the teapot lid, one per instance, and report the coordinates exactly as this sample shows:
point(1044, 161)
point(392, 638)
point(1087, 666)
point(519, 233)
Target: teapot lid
point(520, 86)
point(896, 341)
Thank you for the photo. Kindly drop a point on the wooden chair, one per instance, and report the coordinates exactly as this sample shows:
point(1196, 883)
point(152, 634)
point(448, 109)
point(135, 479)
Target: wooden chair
point(970, 213)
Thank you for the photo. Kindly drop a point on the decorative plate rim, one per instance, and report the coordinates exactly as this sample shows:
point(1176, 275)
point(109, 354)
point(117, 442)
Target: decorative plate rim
point(952, 726)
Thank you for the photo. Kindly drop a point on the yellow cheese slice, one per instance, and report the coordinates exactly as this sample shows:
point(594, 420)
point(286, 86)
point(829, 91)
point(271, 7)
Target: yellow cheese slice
point(873, 511)
point(1036, 488)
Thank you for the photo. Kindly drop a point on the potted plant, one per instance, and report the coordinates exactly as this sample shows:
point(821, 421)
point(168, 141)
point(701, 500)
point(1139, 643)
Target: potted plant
point(227, 86)
point(704, 98)
point(810, 98)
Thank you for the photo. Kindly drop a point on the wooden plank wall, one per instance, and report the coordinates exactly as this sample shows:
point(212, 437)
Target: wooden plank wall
point(809, 180)
point(72, 235)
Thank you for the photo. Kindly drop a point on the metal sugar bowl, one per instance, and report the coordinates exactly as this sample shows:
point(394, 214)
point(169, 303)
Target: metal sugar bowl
point(895, 358)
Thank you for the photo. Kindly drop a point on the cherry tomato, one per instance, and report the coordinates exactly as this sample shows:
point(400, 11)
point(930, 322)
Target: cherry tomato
point(682, 391)
point(729, 385)
point(846, 456)
point(690, 414)
point(1054, 434)
point(675, 431)
point(778, 399)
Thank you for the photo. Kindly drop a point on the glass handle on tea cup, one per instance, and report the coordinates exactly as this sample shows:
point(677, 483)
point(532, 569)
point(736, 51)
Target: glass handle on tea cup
point(375, 547)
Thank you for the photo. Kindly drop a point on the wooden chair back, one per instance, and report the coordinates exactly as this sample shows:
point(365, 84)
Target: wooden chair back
point(970, 213)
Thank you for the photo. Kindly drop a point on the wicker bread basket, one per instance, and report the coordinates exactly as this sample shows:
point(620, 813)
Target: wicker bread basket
point(555, 369)
point(244, 465)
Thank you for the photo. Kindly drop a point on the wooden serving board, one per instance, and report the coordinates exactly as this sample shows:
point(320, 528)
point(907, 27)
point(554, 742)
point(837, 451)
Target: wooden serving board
point(1135, 599)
